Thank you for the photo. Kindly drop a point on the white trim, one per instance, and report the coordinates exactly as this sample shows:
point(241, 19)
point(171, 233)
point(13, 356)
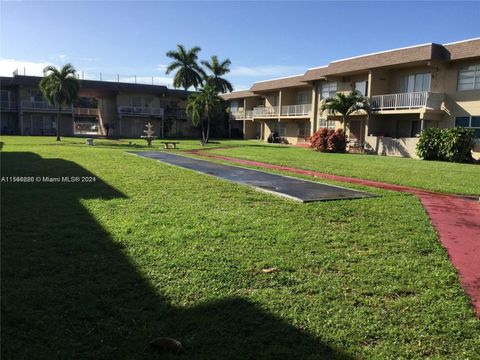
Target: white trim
point(462, 41)
point(280, 78)
point(318, 67)
point(382, 52)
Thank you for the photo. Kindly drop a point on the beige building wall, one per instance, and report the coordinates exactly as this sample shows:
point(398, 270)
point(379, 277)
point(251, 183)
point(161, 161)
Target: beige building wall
point(459, 103)
point(107, 110)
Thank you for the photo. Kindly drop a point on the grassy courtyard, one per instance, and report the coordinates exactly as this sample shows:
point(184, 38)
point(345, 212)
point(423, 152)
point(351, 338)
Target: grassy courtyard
point(97, 269)
point(429, 175)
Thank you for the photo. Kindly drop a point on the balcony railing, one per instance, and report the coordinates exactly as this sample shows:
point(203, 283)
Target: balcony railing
point(266, 111)
point(85, 111)
point(296, 110)
point(411, 100)
point(242, 115)
point(176, 114)
point(8, 105)
point(140, 111)
point(43, 106)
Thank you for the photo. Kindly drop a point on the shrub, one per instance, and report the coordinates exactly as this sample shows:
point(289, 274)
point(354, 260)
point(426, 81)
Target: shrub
point(319, 139)
point(325, 140)
point(429, 144)
point(457, 144)
point(337, 142)
point(454, 144)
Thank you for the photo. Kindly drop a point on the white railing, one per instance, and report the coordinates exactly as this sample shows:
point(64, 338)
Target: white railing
point(296, 110)
point(85, 111)
point(266, 111)
point(241, 115)
point(43, 106)
point(411, 100)
point(140, 111)
point(237, 115)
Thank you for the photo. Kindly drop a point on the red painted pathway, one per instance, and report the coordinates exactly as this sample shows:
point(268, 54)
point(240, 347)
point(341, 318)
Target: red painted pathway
point(457, 220)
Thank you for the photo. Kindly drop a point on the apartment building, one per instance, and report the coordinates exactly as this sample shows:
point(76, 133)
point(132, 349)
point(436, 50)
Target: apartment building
point(123, 108)
point(410, 89)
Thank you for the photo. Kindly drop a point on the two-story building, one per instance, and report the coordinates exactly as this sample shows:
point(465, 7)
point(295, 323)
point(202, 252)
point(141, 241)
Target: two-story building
point(409, 89)
point(122, 108)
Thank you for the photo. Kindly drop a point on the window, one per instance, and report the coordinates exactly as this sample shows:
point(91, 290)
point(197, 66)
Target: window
point(328, 89)
point(472, 122)
point(234, 106)
point(324, 123)
point(302, 98)
point(35, 96)
point(469, 78)
point(361, 87)
point(5, 96)
point(415, 82)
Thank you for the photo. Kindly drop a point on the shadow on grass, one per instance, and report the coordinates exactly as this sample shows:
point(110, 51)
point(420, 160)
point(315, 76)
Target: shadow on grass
point(69, 292)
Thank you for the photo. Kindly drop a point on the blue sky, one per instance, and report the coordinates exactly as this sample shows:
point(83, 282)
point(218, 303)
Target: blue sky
point(262, 39)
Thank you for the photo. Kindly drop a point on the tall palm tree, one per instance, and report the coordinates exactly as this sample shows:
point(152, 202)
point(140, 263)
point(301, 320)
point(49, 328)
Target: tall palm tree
point(202, 106)
point(60, 87)
point(218, 69)
point(345, 104)
point(189, 73)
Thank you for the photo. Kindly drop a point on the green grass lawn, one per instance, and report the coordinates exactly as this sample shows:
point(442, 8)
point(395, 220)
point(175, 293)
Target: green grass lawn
point(96, 270)
point(430, 175)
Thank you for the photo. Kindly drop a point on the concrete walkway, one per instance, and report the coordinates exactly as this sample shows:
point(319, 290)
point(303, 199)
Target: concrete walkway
point(286, 186)
point(456, 219)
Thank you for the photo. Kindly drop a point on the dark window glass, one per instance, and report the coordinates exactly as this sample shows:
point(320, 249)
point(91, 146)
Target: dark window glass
point(462, 121)
point(475, 121)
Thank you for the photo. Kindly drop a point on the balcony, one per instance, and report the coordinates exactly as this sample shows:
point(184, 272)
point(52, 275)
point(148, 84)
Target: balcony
point(297, 110)
point(140, 111)
point(44, 106)
point(85, 112)
point(8, 105)
point(242, 115)
point(266, 111)
point(176, 114)
point(406, 101)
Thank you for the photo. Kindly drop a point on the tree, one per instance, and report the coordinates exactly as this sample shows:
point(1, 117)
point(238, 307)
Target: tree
point(189, 73)
point(218, 69)
point(345, 104)
point(60, 87)
point(202, 106)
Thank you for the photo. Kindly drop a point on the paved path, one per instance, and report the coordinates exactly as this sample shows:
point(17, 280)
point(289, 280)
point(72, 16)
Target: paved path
point(456, 219)
point(286, 186)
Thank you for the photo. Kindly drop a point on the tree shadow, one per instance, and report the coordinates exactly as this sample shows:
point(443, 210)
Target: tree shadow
point(70, 292)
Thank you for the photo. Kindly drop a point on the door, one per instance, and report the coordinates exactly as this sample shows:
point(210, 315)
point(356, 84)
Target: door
point(37, 125)
point(355, 131)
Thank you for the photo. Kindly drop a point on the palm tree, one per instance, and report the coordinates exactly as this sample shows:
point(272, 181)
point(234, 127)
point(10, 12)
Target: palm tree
point(185, 63)
point(60, 87)
point(218, 69)
point(201, 106)
point(345, 104)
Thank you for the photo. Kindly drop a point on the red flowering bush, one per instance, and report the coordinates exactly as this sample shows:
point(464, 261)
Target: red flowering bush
point(325, 140)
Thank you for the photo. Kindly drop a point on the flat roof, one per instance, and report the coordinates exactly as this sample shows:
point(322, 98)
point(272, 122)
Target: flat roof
point(100, 86)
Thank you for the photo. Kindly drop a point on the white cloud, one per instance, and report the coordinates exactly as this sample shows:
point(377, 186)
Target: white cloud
point(8, 66)
point(267, 70)
point(62, 57)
